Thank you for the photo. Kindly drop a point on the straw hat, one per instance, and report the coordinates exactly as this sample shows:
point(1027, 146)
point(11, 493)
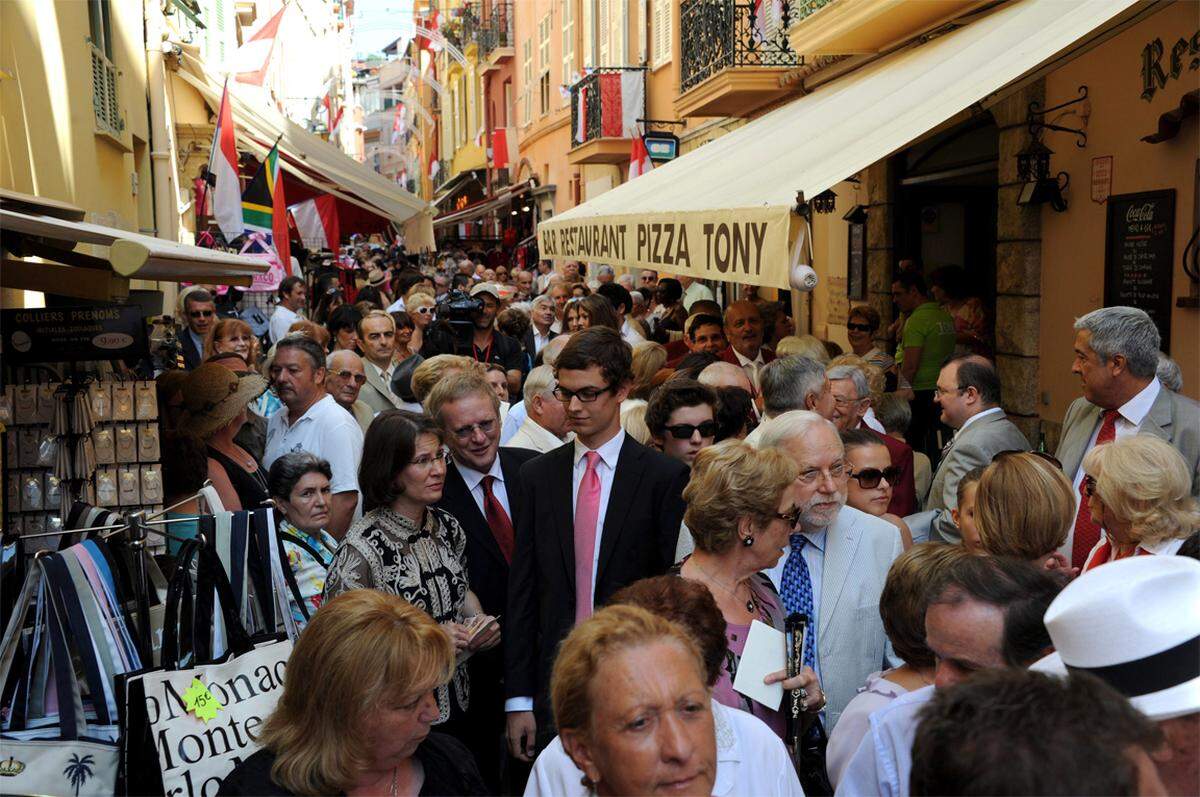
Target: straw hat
point(1128, 623)
point(213, 396)
point(376, 278)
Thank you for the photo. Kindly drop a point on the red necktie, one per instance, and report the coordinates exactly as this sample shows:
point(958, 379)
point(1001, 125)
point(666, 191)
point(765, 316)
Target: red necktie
point(497, 519)
point(1087, 533)
point(587, 513)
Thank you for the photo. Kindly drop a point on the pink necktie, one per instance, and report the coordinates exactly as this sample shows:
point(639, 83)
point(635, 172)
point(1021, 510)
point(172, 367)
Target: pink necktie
point(587, 510)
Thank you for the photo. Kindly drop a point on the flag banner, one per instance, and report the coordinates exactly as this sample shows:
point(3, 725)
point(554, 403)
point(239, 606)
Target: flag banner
point(504, 147)
point(316, 222)
point(581, 116)
point(263, 207)
point(249, 62)
point(639, 158)
point(224, 185)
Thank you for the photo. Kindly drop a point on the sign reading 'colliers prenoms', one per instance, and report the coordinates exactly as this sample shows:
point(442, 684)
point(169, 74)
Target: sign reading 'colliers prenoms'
point(62, 334)
point(750, 250)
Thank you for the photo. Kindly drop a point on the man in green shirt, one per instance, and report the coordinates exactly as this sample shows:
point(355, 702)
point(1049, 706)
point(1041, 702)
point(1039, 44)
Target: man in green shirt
point(926, 343)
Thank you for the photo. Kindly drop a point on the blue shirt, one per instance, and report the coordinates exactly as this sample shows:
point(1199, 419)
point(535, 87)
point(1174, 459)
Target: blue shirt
point(882, 763)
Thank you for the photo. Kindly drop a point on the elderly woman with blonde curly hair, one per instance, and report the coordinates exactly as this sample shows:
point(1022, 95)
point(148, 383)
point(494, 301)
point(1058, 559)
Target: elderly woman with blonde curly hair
point(1139, 493)
point(357, 708)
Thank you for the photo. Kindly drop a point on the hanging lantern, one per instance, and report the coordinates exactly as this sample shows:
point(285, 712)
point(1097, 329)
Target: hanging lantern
point(825, 202)
point(1033, 162)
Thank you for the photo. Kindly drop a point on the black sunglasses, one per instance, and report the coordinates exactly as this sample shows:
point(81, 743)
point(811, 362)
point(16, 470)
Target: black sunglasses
point(201, 313)
point(684, 431)
point(859, 327)
point(869, 478)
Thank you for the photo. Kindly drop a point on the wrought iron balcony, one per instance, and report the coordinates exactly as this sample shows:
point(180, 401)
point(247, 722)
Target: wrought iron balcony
point(497, 30)
point(716, 35)
point(805, 8)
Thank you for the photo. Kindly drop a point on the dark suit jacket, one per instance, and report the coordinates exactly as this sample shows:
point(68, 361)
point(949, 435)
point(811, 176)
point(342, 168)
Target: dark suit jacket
point(192, 356)
point(904, 491)
point(728, 356)
point(641, 528)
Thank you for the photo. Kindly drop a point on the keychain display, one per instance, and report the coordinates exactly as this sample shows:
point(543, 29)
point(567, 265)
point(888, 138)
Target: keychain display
point(122, 397)
point(129, 488)
point(148, 442)
point(126, 437)
point(31, 491)
point(106, 487)
point(146, 401)
point(105, 445)
point(100, 395)
point(152, 492)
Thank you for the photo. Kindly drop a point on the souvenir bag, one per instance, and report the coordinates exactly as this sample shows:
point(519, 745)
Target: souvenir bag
point(189, 722)
point(66, 757)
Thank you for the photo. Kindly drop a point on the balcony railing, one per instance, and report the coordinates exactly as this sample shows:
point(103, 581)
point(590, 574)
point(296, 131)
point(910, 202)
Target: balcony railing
point(805, 8)
point(722, 34)
point(594, 105)
point(497, 31)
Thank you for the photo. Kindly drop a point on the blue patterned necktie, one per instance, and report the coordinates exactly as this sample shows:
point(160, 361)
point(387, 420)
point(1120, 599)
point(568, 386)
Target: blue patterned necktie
point(797, 594)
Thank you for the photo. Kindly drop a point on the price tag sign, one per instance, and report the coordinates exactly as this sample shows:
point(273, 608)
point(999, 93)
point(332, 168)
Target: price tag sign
point(201, 702)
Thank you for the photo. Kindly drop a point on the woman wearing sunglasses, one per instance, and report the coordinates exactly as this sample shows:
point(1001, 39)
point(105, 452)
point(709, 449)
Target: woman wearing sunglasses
point(871, 475)
point(419, 306)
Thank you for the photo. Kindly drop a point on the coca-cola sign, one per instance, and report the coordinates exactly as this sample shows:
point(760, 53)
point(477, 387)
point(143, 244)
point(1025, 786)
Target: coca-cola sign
point(1138, 262)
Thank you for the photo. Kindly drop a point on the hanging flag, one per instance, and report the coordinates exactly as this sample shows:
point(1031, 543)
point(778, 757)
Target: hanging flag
point(264, 209)
point(639, 158)
point(250, 61)
point(333, 120)
point(504, 147)
point(621, 102)
point(581, 117)
point(427, 26)
point(317, 222)
point(223, 182)
point(398, 124)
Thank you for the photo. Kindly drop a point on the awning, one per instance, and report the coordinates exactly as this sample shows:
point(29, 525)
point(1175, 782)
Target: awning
point(54, 232)
point(483, 208)
point(306, 156)
point(724, 211)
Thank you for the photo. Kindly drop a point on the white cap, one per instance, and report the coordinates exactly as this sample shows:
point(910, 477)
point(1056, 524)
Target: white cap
point(1134, 623)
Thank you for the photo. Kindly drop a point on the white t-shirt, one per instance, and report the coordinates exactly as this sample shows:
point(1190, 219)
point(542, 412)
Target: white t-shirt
point(751, 760)
point(326, 430)
point(281, 319)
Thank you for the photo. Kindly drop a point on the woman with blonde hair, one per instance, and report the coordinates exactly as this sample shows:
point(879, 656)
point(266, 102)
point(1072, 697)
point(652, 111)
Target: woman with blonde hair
point(631, 702)
point(357, 708)
point(804, 346)
point(419, 305)
point(741, 509)
point(1024, 508)
point(648, 358)
point(1139, 492)
point(235, 335)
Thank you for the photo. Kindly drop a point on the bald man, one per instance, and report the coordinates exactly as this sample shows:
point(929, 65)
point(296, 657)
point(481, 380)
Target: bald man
point(744, 331)
point(725, 374)
point(344, 378)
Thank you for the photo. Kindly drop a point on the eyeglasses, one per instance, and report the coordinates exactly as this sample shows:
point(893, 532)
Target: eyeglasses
point(836, 471)
point(1089, 485)
point(859, 327)
point(441, 455)
point(842, 402)
point(792, 517)
point(359, 379)
point(938, 392)
point(869, 478)
point(201, 313)
point(467, 432)
point(585, 394)
point(1039, 454)
point(684, 431)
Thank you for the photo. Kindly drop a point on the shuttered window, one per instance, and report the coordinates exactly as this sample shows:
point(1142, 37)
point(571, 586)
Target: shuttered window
point(661, 34)
point(527, 82)
point(105, 102)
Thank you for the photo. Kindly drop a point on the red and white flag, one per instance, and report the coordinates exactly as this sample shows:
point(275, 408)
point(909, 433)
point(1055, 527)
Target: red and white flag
point(622, 98)
point(639, 158)
point(334, 119)
point(225, 188)
point(504, 147)
point(250, 61)
point(581, 117)
point(398, 123)
point(317, 222)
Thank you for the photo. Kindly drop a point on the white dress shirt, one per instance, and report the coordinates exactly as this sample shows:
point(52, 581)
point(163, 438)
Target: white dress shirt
point(630, 334)
point(751, 760)
point(872, 422)
point(751, 367)
point(534, 437)
point(474, 482)
point(281, 319)
point(1129, 419)
point(540, 340)
point(606, 468)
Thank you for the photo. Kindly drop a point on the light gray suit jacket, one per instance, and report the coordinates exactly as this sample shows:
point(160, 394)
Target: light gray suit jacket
point(376, 394)
point(851, 643)
point(972, 447)
point(1172, 417)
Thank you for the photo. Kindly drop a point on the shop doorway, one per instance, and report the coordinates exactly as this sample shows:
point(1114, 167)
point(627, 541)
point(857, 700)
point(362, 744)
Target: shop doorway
point(946, 209)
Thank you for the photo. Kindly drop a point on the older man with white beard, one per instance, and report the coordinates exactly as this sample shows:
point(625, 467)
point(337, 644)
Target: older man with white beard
point(837, 562)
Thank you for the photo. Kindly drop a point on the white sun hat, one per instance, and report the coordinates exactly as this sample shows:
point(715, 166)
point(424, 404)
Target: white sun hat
point(1135, 624)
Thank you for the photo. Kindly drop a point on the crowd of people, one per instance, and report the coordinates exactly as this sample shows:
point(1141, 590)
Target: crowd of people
point(536, 518)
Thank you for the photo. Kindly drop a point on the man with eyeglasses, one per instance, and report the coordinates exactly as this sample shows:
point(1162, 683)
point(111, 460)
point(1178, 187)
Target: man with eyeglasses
point(851, 400)
point(837, 562)
point(597, 514)
point(200, 312)
point(483, 491)
point(968, 393)
point(344, 379)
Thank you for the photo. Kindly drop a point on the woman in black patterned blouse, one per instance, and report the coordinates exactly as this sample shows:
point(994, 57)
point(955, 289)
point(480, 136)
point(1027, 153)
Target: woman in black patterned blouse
point(407, 547)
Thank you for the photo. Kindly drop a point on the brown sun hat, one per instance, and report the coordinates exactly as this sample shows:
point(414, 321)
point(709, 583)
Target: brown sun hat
point(213, 395)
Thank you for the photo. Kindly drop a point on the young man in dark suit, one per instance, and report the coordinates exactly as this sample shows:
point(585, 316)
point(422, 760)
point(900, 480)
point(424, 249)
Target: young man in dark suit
point(596, 514)
point(483, 492)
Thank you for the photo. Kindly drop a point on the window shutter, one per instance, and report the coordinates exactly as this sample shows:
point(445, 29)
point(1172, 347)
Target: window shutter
point(605, 56)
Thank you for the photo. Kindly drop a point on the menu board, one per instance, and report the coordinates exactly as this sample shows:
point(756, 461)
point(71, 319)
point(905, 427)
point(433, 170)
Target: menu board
point(1138, 253)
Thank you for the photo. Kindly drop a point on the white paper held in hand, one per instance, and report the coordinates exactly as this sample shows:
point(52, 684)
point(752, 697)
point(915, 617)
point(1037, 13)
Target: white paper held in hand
point(763, 654)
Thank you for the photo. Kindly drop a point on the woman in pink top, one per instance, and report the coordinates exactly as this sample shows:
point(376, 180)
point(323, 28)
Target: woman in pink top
point(902, 607)
point(1139, 493)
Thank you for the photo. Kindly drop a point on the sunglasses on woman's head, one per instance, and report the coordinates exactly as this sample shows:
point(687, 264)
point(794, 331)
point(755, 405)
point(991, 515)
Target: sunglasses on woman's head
point(869, 478)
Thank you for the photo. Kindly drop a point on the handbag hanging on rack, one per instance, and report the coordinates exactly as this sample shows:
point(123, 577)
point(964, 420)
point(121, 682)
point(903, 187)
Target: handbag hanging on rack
point(166, 748)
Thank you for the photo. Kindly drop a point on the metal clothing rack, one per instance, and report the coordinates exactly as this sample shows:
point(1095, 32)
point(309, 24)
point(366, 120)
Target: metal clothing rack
point(117, 528)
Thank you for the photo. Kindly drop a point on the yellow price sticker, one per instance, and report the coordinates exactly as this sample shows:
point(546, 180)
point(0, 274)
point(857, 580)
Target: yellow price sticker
point(201, 702)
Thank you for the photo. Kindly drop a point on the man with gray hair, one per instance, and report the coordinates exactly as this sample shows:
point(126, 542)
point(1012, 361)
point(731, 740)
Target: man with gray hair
point(1169, 374)
point(1116, 359)
point(626, 281)
point(546, 418)
point(837, 562)
point(517, 412)
point(605, 274)
point(793, 383)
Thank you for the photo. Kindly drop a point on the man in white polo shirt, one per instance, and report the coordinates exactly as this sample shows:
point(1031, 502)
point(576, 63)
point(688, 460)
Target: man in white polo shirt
point(311, 420)
point(292, 297)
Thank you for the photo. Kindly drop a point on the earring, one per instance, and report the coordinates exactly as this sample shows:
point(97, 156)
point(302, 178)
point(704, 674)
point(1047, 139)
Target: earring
point(748, 540)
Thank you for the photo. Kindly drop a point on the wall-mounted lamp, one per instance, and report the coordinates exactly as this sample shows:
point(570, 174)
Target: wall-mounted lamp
point(825, 202)
point(1039, 187)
